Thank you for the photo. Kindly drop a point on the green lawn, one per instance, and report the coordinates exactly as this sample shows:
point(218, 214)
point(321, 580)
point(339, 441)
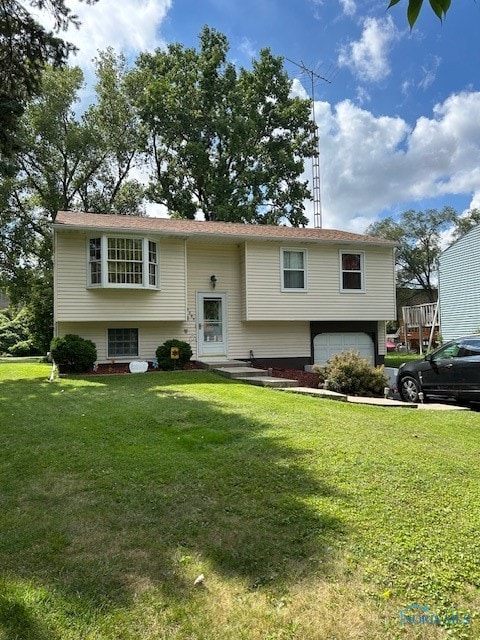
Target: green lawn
point(310, 519)
point(396, 359)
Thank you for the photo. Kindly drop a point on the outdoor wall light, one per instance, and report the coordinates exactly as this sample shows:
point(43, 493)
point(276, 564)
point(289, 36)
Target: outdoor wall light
point(213, 281)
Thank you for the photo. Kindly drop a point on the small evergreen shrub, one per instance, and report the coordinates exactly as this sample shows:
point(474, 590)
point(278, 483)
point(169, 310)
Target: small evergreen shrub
point(163, 354)
point(24, 348)
point(73, 353)
point(349, 373)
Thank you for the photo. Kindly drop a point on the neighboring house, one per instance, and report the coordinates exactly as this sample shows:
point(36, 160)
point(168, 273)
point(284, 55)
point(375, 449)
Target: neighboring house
point(276, 295)
point(459, 287)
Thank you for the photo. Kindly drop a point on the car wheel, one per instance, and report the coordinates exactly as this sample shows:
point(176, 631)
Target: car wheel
point(409, 389)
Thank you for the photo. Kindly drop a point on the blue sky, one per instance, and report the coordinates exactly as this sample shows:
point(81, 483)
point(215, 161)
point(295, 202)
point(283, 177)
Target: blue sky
point(400, 121)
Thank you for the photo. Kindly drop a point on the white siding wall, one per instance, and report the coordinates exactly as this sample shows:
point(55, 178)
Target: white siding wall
point(75, 302)
point(459, 287)
point(323, 299)
point(150, 335)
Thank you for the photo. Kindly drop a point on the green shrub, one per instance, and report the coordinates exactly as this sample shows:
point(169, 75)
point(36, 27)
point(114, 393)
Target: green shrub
point(164, 351)
point(73, 353)
point(13, 331)
point(349, 373)
point(24, 348)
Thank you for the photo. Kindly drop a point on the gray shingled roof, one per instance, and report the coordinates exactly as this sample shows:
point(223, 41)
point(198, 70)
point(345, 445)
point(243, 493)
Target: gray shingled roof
point(198, 228)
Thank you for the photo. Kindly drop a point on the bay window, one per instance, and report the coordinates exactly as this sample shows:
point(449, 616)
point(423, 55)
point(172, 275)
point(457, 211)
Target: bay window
point(122, 262)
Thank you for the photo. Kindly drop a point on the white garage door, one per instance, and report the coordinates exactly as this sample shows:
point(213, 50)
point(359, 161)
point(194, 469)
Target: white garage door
point(327, 344)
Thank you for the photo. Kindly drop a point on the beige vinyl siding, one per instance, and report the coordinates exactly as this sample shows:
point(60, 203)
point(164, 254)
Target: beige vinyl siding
point(74, 301)
point(322, 299)
point(382, 338)
point(265, 339)
point(150, 335)
point(274, 340)
point(222, 261)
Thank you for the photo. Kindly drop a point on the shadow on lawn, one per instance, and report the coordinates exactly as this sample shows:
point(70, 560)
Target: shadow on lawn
point(166, 487)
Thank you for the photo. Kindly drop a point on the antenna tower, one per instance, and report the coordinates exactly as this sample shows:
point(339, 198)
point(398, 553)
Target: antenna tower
point(316, 185)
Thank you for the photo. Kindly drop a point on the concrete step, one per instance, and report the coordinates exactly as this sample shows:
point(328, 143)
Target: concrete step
point(211, 363)
point(239, 372)
point(269, 381)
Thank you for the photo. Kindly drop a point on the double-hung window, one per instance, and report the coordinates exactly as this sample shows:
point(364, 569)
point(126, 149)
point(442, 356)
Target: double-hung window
point(115, 261)
point(294, 269)
point(352, 271)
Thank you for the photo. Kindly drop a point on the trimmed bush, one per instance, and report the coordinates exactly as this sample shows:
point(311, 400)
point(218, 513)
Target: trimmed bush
point(349, 373)
point(163, 355)
point(73, 353)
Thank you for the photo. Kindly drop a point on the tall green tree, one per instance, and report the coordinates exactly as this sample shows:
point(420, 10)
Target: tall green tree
point(68, 161)
point(419, 235)
point(25, 48)
point(227, 143)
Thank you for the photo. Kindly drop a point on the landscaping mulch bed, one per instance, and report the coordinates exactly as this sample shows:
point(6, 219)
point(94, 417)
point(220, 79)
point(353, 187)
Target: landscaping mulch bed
point(111, 368)
point(305, 378)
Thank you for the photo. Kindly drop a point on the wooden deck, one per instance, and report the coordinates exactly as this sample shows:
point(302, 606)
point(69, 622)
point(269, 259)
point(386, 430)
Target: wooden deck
point(420, 326)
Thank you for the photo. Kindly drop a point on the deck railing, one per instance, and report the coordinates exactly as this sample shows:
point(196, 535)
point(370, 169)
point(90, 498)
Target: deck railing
point(421, 315)
point(418, 318)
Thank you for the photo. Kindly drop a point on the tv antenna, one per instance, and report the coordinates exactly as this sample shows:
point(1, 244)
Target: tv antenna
point(316, 185)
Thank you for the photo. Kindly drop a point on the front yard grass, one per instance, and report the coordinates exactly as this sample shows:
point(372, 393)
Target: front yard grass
point(309, 519)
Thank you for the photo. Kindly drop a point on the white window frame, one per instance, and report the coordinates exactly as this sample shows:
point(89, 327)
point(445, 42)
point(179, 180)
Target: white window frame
point(122, 356)
point(149, 267)
point(283, 251)
point(361, 271)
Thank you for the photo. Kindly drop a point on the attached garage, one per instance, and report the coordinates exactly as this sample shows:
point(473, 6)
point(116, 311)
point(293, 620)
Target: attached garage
point(326, 345)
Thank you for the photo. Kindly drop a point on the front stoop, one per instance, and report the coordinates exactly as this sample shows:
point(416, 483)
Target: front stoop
point(212, 363)
point(237, 370)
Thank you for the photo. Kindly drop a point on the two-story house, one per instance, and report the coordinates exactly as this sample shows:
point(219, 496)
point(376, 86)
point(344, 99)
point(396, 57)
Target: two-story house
point(279, 295)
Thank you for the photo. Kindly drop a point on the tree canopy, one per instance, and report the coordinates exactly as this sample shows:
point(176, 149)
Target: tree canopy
point(228, 143)
point(421, 238)
point(25, 48)
point(418, 234)
point(67, 161)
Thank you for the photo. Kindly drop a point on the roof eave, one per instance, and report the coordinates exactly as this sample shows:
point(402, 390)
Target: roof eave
point(222, 236)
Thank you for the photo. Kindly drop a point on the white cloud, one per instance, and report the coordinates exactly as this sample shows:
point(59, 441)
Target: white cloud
point(430, 72)
point(370, 164)
point(246, 46)
point(367, 57)
point(349, 7)
point(129, 26)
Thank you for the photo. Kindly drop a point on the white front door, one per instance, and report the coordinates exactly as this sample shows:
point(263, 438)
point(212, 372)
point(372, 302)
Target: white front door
point(211, 324)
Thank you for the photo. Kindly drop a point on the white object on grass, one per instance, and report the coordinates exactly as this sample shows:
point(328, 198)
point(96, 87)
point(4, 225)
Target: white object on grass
point(138, 366)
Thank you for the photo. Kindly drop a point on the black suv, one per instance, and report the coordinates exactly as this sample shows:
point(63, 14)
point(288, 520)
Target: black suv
point(452, 370)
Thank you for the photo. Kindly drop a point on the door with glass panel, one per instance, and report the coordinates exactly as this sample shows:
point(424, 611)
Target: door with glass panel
point(211, 324)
